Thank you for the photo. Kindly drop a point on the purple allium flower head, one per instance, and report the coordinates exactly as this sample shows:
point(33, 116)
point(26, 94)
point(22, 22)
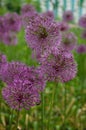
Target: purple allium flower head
point(68, 16)
point(13, 22)
point(42, 33)
point(69, 41)
point(58, 65)
point(27, 8)
point(10, 38)
point(48, 14)
point(63, 26)
point(19, 96)
point(29, 75)
point(82, 21)
point(83, 35)
point(81, 48)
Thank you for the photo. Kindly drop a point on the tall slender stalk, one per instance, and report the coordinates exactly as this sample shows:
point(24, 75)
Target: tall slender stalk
point(51, 105)
point(17, 120)
point(42, 113)
point(10, 120)
point(65, 103)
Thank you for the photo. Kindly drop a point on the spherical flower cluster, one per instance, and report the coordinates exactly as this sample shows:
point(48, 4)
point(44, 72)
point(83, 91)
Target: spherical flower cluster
point(19, 96)
point(81, 49)
point(82, 21)
point(10, 38)
point(58, 65)
point(24, 85)
point(42, 33)
point(30, 75)
point(69, 41)
point(68, 16)
point(10, 23)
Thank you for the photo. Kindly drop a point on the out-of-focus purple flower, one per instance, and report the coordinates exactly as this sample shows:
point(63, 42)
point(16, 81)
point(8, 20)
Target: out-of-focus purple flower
point(83, 35)
point(82, 21)
point(28, 17)
point(2, 27)
point(48, 14)
point(42, 33)
point(69, 41)
point(27, 8)
point(19, 96)
point(2, 24)
point(63, 26)
point(3, 64)
point(2, 59)
point(81, 48)
point(29, 75)
point(10, 38)
point(1, 36)
point(68, 16)
point(58, 65)
point(12, 22)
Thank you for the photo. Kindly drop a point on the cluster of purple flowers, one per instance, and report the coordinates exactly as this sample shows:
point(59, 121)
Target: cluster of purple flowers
point(70, 37)
point(82, 24)
point(28, 13)
point(51, 43)
point(10, 23)
point(23, 84)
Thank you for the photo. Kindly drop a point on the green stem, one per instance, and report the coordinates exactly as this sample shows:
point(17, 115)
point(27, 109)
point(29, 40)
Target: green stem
point(17, 121)
point(10, 120)
point(51, 105)
point(42, 114)
point(65, 103)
